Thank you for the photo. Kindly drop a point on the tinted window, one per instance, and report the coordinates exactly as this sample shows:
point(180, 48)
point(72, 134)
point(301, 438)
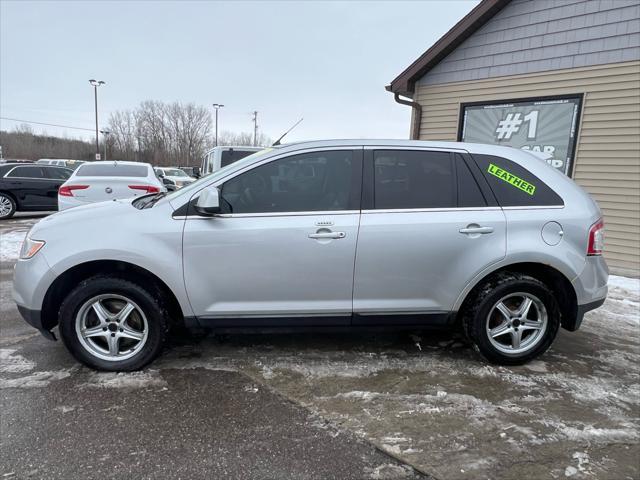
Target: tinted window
point(413, 179)
point(514, 185)
point(320, 181)
point(57, 173)
point(111, 170)
point(26, 172)
point(227, 157)
point(469, 193)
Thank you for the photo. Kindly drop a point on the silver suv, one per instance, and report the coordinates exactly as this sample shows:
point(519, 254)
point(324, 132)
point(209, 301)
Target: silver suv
point(352, 234)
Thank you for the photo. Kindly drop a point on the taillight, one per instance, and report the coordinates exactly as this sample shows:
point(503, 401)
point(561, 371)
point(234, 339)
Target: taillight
point(67, 190)
point(146, 188)
point(596, 238)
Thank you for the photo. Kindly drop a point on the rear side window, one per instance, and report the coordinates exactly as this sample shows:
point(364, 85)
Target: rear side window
point(111, 170)
point(58, 173)
point(514, 185)
point(413, 179)
point(26, 172)
point(469, 193)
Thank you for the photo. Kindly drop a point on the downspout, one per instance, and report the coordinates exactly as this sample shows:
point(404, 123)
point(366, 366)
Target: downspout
point(417, 114)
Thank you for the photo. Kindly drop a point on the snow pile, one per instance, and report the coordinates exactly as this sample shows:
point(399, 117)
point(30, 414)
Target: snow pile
point(10, 244)
point(146, 379)
point(35, 380)
point(11, 363)
point(630, 285)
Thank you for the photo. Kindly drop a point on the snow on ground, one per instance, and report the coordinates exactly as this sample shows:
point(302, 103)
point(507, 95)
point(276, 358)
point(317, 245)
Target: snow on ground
point(10, 244)
point(144, 379)
point(12, 363)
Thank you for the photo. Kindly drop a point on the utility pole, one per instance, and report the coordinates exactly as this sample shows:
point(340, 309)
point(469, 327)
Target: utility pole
point(105, 133)
point(255, 128)
point(96, 84)
point(217, 106)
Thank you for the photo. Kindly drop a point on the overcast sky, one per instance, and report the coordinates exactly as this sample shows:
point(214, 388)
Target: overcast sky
point(325, 61)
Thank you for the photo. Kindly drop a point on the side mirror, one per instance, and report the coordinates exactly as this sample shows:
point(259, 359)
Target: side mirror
point(196, 172)
point(208, 203)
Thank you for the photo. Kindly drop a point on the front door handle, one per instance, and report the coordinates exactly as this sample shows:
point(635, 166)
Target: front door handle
point(476, 230)
point(327, 235)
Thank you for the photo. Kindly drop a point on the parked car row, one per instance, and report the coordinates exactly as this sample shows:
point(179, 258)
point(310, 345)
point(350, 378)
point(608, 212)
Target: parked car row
point(57, 184)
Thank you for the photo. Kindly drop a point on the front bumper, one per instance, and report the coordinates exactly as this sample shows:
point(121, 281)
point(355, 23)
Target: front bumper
point(31, 281)
point(34, 318)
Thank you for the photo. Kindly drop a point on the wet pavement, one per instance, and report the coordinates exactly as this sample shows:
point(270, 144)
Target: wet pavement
point(325, 406)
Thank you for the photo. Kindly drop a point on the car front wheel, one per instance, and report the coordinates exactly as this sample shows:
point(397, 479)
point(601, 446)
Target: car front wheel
point(512, 318)
point(113, 324)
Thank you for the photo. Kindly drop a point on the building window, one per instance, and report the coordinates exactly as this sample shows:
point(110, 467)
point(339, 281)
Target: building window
point(547, 125)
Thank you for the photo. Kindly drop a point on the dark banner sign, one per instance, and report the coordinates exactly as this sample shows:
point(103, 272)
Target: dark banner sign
point(541, 125)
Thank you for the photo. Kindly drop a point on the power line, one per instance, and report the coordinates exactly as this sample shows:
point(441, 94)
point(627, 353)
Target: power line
point(48, 124)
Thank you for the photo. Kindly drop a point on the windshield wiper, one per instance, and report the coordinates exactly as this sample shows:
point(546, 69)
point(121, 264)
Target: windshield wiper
point(154, 199)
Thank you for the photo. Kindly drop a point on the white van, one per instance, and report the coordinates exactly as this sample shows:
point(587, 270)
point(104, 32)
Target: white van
point(219, 157)
point(61, 162)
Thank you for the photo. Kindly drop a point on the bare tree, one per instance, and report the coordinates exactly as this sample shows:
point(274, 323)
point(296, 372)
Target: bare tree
point(242, 139)
point(162, 133)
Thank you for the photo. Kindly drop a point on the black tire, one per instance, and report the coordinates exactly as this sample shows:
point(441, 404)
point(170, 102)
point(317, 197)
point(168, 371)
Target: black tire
point(150, 302)
point(480, 304)
point(7, 199)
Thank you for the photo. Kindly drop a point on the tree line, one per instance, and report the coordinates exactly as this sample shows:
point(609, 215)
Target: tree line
point(159, 133)
point(23, 144)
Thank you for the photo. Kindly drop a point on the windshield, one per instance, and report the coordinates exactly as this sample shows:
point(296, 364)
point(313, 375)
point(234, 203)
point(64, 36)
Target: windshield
point(174, 172)
point(194, 186)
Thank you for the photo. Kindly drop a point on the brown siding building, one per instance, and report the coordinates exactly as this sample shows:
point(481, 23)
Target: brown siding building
point(529, 62)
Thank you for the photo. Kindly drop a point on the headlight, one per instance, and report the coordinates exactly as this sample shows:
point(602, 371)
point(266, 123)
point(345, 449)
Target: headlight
point(30, 247)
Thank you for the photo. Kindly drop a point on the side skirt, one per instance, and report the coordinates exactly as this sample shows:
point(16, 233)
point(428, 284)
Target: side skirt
point(328, 324)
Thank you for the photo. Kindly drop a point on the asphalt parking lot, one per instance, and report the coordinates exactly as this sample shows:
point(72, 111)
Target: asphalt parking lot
point(376, 406)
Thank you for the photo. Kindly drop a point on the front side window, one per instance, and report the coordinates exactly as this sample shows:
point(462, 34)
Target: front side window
point(26, 172)
point(514, 185)
point(319, 181)
point(413, 179)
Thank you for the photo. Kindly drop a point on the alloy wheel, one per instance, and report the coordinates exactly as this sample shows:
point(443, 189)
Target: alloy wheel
point(5, 206)
point(517, 323)
point(111, 327)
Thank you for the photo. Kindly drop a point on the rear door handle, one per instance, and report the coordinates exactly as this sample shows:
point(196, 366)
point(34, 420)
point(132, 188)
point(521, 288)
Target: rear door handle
point(327, 235)
point(480, 230)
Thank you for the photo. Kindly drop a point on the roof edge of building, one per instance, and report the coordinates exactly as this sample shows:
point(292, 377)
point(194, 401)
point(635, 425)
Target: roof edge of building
point(404, 84)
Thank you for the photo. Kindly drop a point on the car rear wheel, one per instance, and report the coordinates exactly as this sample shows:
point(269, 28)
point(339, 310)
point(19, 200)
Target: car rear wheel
point(7, 206)
point(113, 324)
point(512, 318)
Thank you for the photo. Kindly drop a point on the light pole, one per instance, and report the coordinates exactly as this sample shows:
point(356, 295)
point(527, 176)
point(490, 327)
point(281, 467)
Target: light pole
point(255, 128)
point(96, 84)
point(105, 133)
point(217, 106)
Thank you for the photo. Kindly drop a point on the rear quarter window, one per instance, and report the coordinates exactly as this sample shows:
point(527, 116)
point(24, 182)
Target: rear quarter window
point(514, 185)
point(117, 170)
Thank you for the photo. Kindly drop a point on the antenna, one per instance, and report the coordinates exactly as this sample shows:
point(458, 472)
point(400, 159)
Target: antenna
point(277, 142)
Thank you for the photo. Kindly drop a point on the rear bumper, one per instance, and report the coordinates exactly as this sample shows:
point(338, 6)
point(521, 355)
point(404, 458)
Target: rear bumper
point(591, 290)
point(573, 324)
